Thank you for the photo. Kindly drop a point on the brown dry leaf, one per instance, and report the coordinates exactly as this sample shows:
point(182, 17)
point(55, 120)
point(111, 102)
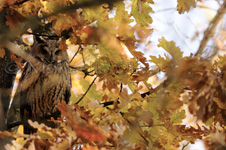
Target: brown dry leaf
point(63, 22)
point(3, 134)
point(192, 133)
point(63, 46)
point(83, 129)
point(7, 2)
point(90, 133)
point(86, 34)
point(2, 52)
point(139, 56)
point(30, 8)
point(88, 147)
point(14, 19)
point(17, 60)
point(39, 144)
point(216, 141)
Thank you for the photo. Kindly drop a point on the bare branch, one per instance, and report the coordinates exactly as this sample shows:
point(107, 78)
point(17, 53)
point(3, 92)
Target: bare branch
point(20, 3)
point(184, 146)
point(86, 90)
point(210, 30)
point(79, 48)
point(20, 52)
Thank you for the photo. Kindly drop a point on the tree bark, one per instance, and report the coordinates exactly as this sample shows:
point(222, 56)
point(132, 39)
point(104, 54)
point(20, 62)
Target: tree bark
point(8, 70)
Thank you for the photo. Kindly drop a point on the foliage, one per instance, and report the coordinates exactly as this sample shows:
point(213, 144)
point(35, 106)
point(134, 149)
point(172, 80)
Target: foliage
point(111, 112)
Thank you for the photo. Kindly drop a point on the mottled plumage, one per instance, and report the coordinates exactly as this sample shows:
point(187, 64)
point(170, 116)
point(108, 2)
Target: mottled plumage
point(42, 84)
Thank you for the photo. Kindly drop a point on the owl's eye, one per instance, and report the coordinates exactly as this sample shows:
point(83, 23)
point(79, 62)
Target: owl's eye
point(57, 52)
point(44, 52)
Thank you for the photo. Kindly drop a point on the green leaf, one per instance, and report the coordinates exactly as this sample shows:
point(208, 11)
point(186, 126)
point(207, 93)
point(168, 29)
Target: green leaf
point(210, 121)
point(177, 117)
point(160, 61)
point(141, 10)
point(73, 97)
point(152, 106)
point(171, 48)
point(44, 135)
point(132, 135)
point(92, 93)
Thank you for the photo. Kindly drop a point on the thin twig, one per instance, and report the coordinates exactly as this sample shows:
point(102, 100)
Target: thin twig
point(86, 90)
point(166, 9)
point(185, 146)
point(12, 125)
point(210, 30)
point(45, 35)
point(20, 3)
point(83, 58)
point(75, 54)
point(154, 125)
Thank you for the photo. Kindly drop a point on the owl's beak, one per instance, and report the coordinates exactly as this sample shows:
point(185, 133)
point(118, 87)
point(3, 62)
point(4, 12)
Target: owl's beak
point(51, 59)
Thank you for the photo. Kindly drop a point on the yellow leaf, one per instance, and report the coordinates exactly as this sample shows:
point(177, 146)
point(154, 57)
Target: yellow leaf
point(171, 48)
point(178, 116)
point(185, 5)
point(20, 130)
point(141, 10)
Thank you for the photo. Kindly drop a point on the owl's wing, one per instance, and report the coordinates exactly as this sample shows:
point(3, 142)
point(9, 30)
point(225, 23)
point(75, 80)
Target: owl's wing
point(13, 114)
point(68, 89)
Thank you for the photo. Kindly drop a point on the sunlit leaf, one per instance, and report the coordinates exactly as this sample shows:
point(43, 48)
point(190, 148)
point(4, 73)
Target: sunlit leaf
point(185, 5)
point(141, 10)
point(178, 116)
point(171, 48)
point(92, 93)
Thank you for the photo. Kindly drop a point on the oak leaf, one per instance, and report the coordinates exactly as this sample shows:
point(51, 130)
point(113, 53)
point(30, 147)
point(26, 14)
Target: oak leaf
point(140, 11)
point(171, 48)
point(63, 46)
point(17, 60)
point(185, 5)
point(14, 19)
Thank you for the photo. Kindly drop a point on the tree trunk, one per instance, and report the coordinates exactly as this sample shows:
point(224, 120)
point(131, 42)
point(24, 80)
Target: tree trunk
point(8, 70)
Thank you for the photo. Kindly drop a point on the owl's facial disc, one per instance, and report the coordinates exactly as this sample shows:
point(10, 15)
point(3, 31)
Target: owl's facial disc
point(48, 52)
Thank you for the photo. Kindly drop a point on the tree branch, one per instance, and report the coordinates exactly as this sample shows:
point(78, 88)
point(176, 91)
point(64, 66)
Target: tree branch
point(33, 21)
point(21, 2)
point(79, 48)
point(184, 146)
point(18, 51)
point(210, 30)
point(86, 91)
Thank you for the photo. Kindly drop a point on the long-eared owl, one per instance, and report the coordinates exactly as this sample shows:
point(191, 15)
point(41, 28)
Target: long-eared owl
point(42, 84)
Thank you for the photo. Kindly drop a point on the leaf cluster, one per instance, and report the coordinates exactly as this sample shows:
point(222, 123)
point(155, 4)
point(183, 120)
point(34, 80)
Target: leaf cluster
point(110, 108)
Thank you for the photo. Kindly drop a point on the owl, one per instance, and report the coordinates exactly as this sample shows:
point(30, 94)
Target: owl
point(42, 84)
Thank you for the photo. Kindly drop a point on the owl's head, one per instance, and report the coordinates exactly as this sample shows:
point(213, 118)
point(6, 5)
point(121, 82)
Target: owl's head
point(47, 50)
